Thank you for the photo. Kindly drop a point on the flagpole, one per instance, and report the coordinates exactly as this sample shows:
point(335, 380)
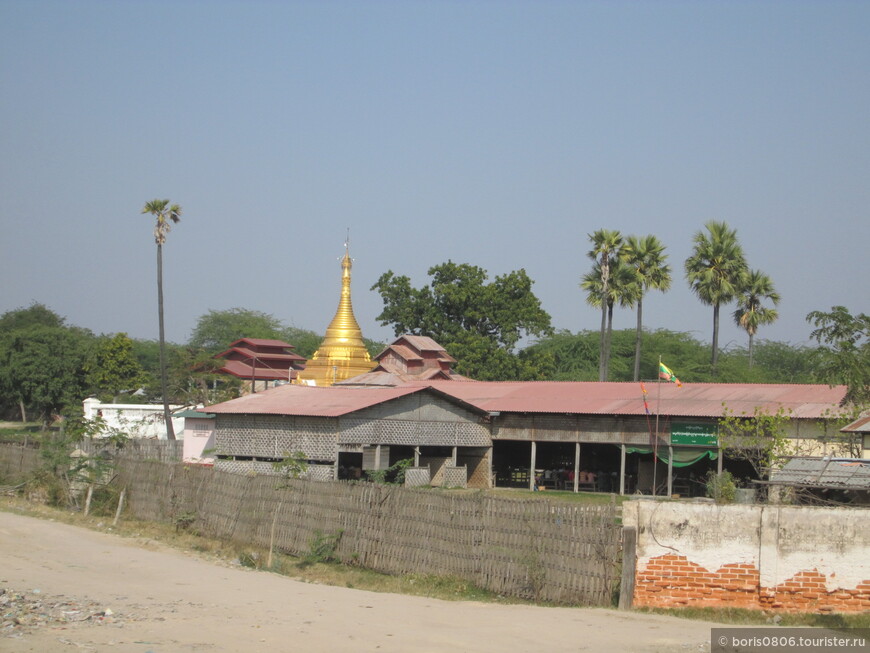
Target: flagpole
point(656, 436)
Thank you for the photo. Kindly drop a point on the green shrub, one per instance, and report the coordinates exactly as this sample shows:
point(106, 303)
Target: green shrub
point(721, 487)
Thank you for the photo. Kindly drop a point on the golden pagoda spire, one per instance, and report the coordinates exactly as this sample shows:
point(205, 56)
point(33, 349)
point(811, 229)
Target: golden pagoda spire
point(342, 354)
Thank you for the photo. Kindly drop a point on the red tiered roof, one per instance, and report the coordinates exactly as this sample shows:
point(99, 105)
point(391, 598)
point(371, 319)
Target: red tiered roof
point(262, 360)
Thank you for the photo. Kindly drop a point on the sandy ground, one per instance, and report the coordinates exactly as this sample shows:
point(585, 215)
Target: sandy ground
point(162, 600)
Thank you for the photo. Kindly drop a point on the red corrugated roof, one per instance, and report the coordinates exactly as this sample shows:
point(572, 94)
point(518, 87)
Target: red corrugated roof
point(262, 355)
point(691, 400)
point(383, 377)
point(310, 401)
point(571, 398)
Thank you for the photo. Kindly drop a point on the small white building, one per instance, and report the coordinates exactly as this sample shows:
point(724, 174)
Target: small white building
point(136, 420)
point(198, 437)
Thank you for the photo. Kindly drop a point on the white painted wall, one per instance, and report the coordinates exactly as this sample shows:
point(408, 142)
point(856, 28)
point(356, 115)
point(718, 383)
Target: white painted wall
point(137, 420)
point(199, 441)
point(780, 541)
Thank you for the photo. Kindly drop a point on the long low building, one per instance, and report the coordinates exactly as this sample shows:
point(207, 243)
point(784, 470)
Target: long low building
point(615, 437)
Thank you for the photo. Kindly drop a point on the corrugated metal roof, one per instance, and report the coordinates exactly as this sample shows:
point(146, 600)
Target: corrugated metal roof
point(263, 355)
point(422, 343)
point(194, 413)
point(386, 378)
point(860, 425)
point(310, 401)
point(404, 352)
point(571, 398)
point(691, 400)
point(844, 474)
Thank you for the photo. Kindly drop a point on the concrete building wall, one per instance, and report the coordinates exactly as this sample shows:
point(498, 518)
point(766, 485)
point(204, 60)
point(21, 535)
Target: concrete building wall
point(199, 441)
point(786, 558)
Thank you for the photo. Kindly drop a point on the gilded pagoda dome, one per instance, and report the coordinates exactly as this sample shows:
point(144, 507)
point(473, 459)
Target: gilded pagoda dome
point(342, 354)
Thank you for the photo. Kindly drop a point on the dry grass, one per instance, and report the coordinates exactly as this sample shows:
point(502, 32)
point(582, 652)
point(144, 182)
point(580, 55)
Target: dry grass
point(151, 535)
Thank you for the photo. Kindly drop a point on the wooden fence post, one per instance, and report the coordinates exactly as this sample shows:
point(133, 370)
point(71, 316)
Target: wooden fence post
point(88, 499)
point(120, 507)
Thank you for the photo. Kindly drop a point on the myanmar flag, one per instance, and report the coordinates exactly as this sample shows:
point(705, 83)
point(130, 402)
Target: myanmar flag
point(666, 374)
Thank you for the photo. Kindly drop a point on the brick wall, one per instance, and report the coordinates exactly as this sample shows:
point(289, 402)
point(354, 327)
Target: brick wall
point(779, 558)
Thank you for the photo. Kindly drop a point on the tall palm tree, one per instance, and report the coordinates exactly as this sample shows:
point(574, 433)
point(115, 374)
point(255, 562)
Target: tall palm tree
point(605, 249)
point(622, 289)
point(166, 214)
point(646, 255)
point(716, 272)
point(750, 314)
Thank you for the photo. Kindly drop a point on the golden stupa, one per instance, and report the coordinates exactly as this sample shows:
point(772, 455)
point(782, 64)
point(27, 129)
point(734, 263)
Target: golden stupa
point(342, 354)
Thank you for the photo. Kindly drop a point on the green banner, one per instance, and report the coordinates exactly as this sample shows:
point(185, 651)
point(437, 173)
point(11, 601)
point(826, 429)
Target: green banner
point(705, 435)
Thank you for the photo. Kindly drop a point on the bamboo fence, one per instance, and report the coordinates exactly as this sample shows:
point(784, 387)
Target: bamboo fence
point(17, 463)
point(535, 549)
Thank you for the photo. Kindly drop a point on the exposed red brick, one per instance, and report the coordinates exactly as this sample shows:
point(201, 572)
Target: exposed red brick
point(673, 580)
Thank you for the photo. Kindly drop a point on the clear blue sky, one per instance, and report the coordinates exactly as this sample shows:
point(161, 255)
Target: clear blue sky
point(493, 133)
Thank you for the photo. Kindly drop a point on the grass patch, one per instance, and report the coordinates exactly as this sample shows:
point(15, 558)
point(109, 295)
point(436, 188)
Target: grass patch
point(19, 432)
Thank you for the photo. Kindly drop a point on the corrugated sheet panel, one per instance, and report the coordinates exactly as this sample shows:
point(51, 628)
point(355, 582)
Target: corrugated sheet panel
point(860, 425)
point(567, 398)
point(816, 472)
point(691, 400)
point(310, 401)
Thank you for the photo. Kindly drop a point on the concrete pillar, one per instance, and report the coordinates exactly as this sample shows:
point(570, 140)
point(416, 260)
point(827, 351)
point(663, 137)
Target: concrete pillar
point(577, 467)
point(532, 467)
point(622, 469)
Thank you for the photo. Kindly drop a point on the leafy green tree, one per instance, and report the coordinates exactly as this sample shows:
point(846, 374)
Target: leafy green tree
point(646, 255)
point(574, 357)
point(606, 245)
point(113, 368)
point(751, 313)
point(42, 368)
point(481, 358)
point(844, 355)
point(165, 215)
point(760, 439)
point(781, 362)
point(34, 315)
point(716, 272)
point(306, 342)
point(194, 378)
point(469, 316)
point(215, 330)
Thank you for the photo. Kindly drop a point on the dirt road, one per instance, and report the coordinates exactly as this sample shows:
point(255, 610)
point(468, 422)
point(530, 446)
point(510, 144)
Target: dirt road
point(160, 600)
